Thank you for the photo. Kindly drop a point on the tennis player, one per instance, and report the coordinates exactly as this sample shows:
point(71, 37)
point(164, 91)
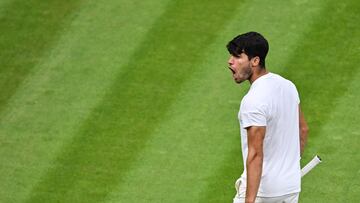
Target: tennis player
point(273, 128)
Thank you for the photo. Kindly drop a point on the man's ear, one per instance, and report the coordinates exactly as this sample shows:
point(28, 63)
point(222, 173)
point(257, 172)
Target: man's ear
point(255, 61)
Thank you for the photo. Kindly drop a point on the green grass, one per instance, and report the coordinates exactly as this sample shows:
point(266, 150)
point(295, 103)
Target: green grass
point(119, 101)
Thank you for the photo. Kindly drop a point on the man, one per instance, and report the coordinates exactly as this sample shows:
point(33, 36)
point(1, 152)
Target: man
point(273, 129)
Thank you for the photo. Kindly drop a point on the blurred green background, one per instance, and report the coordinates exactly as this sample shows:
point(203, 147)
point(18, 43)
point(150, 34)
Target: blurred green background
point(131, 101)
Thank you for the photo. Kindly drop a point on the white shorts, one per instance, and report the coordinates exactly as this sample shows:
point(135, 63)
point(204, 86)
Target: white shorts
point(240, 196)
point(290, 198)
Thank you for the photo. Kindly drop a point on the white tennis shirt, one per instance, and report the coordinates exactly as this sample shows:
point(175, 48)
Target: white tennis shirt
point(273, 101)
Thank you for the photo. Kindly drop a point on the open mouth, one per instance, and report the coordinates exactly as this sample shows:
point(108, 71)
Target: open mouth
point(233, 72)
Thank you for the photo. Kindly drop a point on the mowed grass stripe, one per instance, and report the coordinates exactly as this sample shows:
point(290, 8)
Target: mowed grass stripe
point(179, 159)
point(337, 178)
point(324, 64)
point(180, 156)
point(64, 87)
point(28, 30)
point(340, 151)
point(93, 163)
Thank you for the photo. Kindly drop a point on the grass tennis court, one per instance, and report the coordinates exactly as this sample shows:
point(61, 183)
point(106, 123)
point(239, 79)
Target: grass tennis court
point(131, 101)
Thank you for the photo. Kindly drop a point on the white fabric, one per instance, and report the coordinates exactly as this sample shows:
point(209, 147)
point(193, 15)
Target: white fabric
point(273, 101)
point(290, 198)
point(240, 196)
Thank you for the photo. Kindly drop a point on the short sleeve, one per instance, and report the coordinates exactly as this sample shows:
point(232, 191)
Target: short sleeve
point(253, 114)
point(296, 93)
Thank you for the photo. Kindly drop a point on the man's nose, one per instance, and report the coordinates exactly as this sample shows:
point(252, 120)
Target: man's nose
point(230, 61)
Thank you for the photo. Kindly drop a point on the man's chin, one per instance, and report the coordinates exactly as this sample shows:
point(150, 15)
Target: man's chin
point(238, 81)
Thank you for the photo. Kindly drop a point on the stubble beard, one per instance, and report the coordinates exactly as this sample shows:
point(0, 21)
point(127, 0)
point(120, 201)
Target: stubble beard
point(246, 75)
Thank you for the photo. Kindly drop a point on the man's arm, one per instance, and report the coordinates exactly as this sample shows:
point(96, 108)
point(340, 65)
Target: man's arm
point(304, 129)
point(254, 161)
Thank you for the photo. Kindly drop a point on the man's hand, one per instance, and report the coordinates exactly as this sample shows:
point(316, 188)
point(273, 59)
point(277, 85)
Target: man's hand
point(254, 162)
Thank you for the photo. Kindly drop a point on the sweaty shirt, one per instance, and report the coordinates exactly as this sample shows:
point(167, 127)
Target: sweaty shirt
point(273, 101)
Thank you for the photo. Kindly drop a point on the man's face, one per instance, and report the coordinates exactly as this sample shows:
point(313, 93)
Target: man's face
point(240, 67)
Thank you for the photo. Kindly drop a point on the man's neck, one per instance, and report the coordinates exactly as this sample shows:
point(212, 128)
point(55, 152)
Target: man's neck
point(258, 72)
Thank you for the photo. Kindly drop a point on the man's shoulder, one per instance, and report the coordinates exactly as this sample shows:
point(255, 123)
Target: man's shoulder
point(254, 99)
point(267, 88)
point(282, 79)
point(271, 84)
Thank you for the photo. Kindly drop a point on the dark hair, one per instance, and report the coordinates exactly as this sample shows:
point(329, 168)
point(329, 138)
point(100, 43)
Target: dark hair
point(252, 44)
